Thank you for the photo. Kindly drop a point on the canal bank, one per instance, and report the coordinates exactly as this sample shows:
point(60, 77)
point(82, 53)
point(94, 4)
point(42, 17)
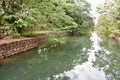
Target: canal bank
point(116, 36)
point(75, 60)
point(17, 45)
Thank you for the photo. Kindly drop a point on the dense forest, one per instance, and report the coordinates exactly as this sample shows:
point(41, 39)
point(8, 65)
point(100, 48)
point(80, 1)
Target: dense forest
point(52, 15)
point(109, 21)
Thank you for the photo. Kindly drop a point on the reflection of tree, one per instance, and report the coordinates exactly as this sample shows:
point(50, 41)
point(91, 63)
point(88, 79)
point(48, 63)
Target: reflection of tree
point(109, 62)
point(64, 57)
point(55, 60)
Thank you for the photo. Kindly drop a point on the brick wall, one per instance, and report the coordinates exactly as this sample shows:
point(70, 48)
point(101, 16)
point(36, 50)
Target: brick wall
point(15, 46)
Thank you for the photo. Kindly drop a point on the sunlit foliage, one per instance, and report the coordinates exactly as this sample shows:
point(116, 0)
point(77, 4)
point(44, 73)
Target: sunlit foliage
point(109, 21)
point(51, 14)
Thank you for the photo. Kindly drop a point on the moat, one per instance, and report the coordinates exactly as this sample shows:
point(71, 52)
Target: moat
point(80, 58)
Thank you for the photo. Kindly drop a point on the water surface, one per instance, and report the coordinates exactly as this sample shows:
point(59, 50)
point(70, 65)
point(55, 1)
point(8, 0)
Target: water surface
point(80, 58)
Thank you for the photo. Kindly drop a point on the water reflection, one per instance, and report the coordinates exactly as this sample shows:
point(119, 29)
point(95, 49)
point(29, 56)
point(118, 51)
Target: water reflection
point(42, 64)
point(86, 71)
point(81, 58)
point(109, 60)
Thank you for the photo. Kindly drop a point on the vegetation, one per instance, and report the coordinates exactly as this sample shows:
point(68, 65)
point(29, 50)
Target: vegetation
point(53, 15)
point(81, 16)
point(109, 21)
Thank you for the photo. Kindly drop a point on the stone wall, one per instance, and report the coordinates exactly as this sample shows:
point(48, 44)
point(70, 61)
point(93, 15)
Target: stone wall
point(116, 36)
point(18, 45)
point(15, 46)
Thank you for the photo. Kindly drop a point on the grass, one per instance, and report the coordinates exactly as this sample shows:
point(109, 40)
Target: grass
point(34, 32)
point(40, 32)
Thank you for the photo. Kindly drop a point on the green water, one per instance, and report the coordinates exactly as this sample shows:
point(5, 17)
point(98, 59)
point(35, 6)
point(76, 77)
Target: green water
point(80, 58)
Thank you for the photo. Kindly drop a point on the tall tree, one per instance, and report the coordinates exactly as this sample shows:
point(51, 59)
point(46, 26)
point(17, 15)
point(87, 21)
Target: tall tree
point(109, 21)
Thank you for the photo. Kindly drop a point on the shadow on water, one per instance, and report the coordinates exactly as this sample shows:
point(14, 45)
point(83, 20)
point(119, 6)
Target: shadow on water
point(80, 58)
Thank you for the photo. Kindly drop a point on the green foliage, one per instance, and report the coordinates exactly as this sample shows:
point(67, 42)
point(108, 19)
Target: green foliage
point(51, 14)
point(58, 40)
point(109, 21)
point(80, 16)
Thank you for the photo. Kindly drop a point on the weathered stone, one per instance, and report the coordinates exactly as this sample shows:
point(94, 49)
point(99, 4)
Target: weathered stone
point(1, 57)
point(1, 54)
point(18, 46)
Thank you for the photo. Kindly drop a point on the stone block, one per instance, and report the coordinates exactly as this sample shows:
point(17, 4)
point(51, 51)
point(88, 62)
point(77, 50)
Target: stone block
point(1, 57)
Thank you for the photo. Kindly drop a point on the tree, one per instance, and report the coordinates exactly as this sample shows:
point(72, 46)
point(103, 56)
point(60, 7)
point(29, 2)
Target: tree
point(51, 14)
point(109, 20)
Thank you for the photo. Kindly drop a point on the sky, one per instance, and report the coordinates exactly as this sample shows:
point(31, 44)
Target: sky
point(94, 4)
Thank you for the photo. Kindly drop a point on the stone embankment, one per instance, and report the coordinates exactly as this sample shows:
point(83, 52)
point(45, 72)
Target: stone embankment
point(16, 45)
point(116, 36)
